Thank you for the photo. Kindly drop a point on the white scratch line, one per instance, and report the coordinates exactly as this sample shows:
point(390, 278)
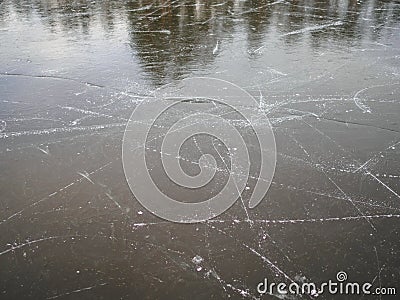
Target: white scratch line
point(313, 28)
point(77, 291)
point(49, 131)
point(51, 195)
point(12, 248)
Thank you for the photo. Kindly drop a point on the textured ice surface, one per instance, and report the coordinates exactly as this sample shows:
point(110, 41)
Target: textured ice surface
point(327, 73)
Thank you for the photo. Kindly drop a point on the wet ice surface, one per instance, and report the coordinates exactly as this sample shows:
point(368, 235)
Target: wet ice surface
point(326, 73)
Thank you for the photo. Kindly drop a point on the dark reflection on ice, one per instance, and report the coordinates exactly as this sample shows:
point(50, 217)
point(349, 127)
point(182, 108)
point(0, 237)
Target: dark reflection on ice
point(327, 73)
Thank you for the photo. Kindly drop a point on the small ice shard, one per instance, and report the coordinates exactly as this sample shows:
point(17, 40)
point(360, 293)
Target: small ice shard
point(86, 176)
point(197, 259)
point(215, 51)
point(45, 151)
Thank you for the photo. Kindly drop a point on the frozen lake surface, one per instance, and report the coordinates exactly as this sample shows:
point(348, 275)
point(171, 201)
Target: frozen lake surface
point(327, 75)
